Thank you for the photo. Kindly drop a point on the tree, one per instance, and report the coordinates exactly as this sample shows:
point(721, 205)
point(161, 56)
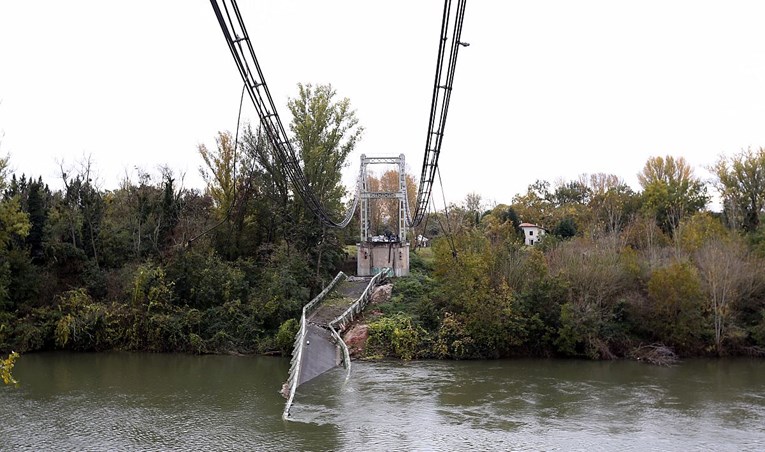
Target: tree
point(12, 219)
point(565, 229)
point(671, 191)
point(325, 131)
point(232, 182)
point(385, 215)
point(611, 202)
point(264, 176)
point(572, 192)
point(536, 206)
point(741, 184)
point(14, 222)
point(37, 207)
point(728, 275)
point(83, 207)
point(501, 224)
point(219, 174)
point(675, 314)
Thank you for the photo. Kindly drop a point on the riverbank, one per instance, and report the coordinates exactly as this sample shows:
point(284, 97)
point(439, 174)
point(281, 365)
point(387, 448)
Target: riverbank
point(473, 307)
point(487, 303)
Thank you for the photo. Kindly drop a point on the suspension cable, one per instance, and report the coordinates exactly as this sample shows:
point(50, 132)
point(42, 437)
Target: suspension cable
point(439, 106)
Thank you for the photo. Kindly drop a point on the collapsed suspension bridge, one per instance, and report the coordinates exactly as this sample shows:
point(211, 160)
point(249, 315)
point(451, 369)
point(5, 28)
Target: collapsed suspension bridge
point(391, 256)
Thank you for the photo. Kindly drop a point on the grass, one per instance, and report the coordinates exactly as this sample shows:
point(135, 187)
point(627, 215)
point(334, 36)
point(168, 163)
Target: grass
point(426, 254)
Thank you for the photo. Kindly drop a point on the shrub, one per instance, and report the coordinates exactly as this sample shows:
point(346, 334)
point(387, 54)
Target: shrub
point(452, 340)
point(285, 338)
point(396, 336)
point(675, 308)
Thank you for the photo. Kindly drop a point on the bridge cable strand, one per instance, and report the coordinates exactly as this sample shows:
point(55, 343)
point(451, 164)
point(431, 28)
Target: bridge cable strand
point(442, 89)
point(238, 40)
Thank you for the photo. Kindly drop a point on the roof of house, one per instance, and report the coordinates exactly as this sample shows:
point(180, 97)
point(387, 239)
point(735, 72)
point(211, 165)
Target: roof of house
point(529, 225)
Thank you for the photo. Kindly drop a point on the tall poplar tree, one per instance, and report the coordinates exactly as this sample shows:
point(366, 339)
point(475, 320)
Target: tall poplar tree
point(325, 132)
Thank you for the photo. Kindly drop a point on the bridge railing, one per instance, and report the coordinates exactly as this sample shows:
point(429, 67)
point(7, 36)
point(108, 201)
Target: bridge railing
point(297, 350)
point(340, 323)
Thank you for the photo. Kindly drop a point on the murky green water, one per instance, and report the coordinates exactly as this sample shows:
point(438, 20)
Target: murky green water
point(121, 401)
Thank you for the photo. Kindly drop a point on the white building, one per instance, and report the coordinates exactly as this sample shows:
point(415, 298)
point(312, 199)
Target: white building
point(532, 233)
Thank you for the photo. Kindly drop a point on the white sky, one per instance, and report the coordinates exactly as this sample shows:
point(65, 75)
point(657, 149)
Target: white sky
point(547, 89)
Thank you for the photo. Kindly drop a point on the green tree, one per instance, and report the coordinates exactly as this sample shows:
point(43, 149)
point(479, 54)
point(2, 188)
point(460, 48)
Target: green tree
point(565, 229)
point(325, 131)
point(676, 311)
point(265, 187)
point(234, 182)
point(597, 277)
point(671, 191)
point(219, 172)
point(536, 205)
point(14, 222)
point(476, 295)
point(83, 208)
point(740, 180)
point(38, 206)
point(612, 202)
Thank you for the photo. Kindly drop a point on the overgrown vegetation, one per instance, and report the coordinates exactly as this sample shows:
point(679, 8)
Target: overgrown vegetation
point(648, 275)
point(154, 266)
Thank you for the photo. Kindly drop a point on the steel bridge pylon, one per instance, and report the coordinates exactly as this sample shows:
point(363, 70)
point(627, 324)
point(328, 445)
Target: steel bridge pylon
point(375, 252)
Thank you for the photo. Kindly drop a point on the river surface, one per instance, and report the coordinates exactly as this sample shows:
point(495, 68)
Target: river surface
point(127, 401)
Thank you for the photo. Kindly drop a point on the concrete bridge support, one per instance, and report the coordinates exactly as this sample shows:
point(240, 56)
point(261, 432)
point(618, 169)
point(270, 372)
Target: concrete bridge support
point(374, 256)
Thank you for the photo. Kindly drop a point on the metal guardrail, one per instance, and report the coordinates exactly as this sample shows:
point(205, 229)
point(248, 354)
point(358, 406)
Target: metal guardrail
point(297, 351)
point(346, 318)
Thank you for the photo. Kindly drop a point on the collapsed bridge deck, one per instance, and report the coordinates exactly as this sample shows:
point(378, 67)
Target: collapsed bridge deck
point(320, 350)
point(318, 345)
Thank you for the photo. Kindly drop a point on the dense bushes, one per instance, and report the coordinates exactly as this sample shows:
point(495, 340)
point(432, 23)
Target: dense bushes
point(151, 266)
point(598, 297)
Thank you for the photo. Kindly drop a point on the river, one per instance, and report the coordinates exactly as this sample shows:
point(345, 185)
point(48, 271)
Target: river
point(128, 401)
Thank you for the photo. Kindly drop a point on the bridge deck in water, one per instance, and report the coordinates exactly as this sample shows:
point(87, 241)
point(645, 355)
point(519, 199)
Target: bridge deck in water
point(322, 352)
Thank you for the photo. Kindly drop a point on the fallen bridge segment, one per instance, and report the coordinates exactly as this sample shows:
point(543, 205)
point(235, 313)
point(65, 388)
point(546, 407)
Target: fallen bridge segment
point(318, 345)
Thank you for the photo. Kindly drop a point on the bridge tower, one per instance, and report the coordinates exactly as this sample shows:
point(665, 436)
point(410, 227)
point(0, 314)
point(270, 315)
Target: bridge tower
point(378, 252)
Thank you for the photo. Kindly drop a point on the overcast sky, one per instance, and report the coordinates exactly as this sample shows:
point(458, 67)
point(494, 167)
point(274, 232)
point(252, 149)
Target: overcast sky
point(546, 90)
